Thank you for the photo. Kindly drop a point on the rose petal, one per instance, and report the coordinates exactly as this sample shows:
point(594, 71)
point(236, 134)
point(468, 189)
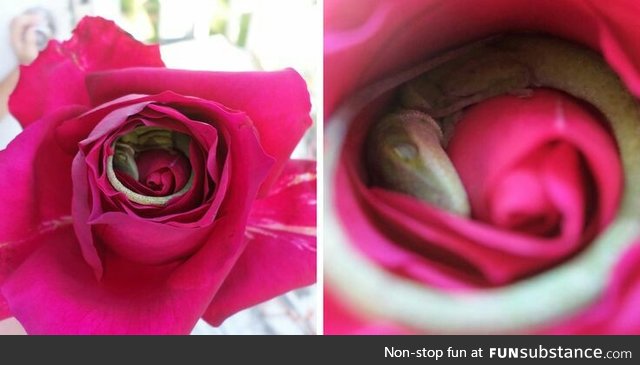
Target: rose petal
point(96, 44)
point(146, 241)
point(161, 173)
point(292, 199)
point(131, 298)
point(385, 250)
point(488, 142)
point(29, 208)
point(281, 252)
point(81, 207)
point(615, 312)
point(274, 101)
point(619, 33)
point(340, 320)
point(532, 213)
point(218, 255)
point(388, 31)
point(4, 308)
point(564, 181)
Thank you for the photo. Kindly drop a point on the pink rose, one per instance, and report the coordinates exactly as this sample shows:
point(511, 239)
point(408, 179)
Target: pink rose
point(550, 246)
point(139, 199)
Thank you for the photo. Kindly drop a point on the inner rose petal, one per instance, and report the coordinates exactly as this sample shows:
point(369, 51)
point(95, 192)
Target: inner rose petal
point(532, 212)
point(159, 172)
point(150, 165)
point(532, 170)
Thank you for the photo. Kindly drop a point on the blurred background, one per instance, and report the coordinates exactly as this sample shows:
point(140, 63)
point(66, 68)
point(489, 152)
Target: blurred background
point(222, 35)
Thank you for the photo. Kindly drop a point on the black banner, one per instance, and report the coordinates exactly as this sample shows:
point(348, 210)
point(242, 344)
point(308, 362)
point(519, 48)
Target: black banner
point(326, 349)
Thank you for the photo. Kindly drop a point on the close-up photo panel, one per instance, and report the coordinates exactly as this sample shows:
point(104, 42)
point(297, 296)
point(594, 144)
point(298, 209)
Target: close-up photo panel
point(481, 167)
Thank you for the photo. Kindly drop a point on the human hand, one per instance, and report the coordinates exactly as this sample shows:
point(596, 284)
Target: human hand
point(24, 33)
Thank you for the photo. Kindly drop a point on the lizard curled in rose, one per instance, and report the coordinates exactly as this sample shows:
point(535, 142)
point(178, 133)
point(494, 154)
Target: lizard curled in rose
point(492, 178)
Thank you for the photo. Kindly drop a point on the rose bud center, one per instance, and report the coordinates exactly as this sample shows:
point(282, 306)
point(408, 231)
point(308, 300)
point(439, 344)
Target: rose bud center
point(150, 165)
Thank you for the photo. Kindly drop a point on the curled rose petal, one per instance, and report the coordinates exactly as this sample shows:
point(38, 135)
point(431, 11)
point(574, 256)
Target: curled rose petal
point(339, 320)
point(70, 61)
point(77, 305)
point(388, 34)
point(4, 310)
point(43, 208)
point(614, 312)
point(154, 172)
point(617, 31)
point(281, 251)
point(488, 144)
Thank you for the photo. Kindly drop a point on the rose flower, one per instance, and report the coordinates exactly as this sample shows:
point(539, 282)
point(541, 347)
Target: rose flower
point(481, 167)
point(139, 199)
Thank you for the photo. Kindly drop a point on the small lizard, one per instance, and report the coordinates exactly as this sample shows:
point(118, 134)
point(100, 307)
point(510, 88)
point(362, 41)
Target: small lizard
point(405, 154)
